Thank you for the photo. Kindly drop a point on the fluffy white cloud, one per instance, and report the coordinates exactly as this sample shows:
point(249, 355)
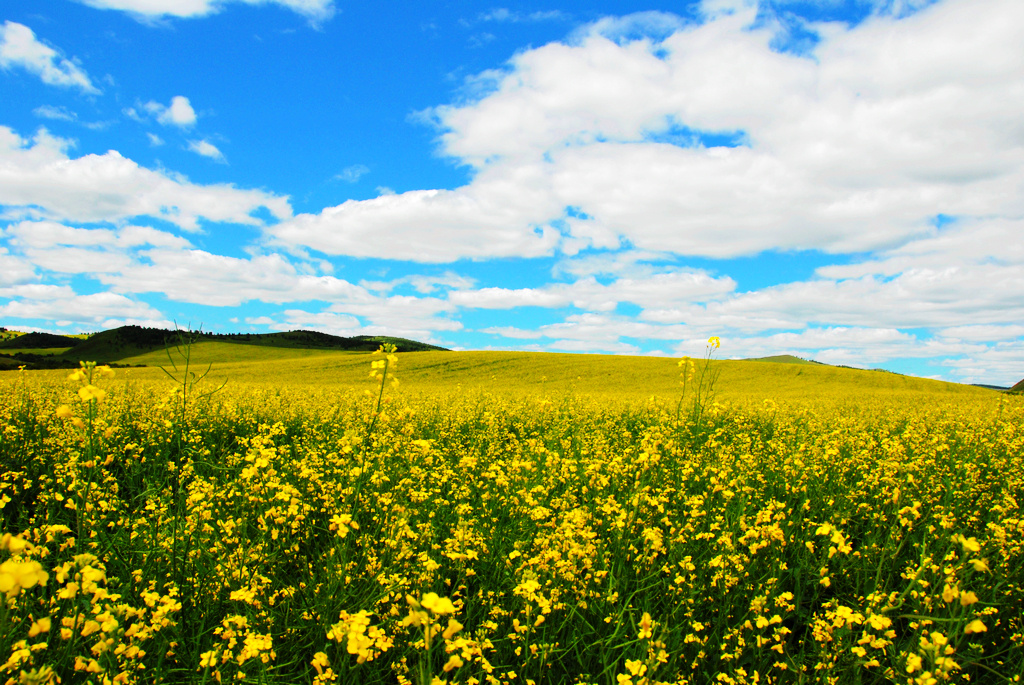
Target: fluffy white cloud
point(39, 179)
point(178, 113)
point(315, 10)
point(840, 151)
point(19, 47)
point(61, 304)
point(14, 269)
point(201, 277)
point(206, 149)
point(64, 249)
point(487, 219)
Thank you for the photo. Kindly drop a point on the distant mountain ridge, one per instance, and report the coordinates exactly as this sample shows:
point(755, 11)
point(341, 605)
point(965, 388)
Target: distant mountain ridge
point(116, 344)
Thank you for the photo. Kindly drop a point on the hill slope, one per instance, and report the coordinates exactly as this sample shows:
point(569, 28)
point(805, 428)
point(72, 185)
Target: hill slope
point(150, 345)
point(34, 341)
point(613, 379)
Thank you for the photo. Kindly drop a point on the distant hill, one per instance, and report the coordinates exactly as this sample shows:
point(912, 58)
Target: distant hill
point(110, 347)
point(318, 340)
point(38, 341)
point(782, 359)
point(1019, 387)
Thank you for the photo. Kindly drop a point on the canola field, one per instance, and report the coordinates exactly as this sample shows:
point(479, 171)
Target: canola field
point(522, 530)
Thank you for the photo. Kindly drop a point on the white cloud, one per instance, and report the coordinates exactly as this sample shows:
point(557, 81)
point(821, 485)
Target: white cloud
point(64, 249)
point(178, 113)
point(39, 179)
point(407, 317)
point(315, 10)
point(840, 151)
point(201, 277)
point(422, 284)
point(20, 48)
point(14, 269)
point(206, 149)
point(484, 220)
point(55, 113)
point(96, 309)
point(657, 290)
point(353, 173)
point(503, 14)
point(155, 140)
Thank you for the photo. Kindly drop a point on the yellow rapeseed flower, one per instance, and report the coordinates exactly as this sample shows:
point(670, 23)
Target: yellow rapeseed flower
point(975, 626)
point(40, 626)
point(437, 604)
point(89, 393)
point(16, 576)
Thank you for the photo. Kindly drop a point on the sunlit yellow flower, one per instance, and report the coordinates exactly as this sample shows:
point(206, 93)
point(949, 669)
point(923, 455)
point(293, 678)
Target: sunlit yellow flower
point(969, 544)
point(13, 543)
point(439, 605)
point(320, 662)
point(453, 628)
point(89, 393)
point(453, 662)
point(40, 626)
point(16, 576)
point(975, 626)
point(980, 565)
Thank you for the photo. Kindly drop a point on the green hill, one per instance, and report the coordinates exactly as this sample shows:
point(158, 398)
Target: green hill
point(148, 346)
point(33, 341)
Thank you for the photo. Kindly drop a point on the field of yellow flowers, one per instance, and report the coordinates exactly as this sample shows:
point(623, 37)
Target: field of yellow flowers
point(161, 532)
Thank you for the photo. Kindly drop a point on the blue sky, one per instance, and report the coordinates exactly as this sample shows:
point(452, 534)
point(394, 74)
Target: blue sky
point(841, 180)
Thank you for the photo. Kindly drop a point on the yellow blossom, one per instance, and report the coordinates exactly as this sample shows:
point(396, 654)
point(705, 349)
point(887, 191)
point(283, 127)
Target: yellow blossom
point(975, 626)
point(439, 605)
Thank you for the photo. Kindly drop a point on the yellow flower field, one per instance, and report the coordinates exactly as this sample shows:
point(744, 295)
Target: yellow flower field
point(280, 532)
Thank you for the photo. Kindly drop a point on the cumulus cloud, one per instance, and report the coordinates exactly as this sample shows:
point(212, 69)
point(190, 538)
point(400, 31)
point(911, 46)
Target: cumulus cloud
point(20, 48)
point(484, 220)
point(62, 304)
point(206, 149)
point(201, 277)
point(39, 179)
point(701, 139)
point(314, 10)
point(14, 269)
point(178, 113)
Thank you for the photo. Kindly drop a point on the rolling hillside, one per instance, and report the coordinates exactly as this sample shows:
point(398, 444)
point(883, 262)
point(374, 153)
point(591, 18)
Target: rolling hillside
point(119, 345)
point(544, 375)
point(316, 360)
